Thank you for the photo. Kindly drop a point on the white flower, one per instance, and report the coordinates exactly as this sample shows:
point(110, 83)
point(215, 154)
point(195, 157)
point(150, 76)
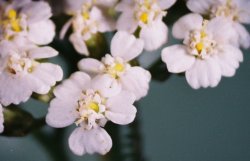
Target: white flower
point(124, 48)
point(1, 119)
point(90, 104)
point(236, 11)
point(21, 73)
point(27, 18)
point(87, 21)
point(206, 54)
point(145, 16)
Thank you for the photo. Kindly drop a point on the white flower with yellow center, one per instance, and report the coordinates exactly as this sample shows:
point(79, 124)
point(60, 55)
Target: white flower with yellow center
point(28, 19)
point(90, 103)
point(145, 16)
point(124, 48)
point(21, 73)
point(236, 11)
point(207, 53)
point(86, 22)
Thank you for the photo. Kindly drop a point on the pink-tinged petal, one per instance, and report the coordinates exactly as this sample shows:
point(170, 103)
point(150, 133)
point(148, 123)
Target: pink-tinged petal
point(96, 140)
point(126, 46)
point(1, 119)
point(127, 22)
point(79, 44)
point(62, 113)
point(42, 52)
point(125, 5)
point(91, 66)
point(42, 32)
point(186, 24)
point(243, 35)
point(165, 4)
point(120, 108)
point(14, 89)
point(177, 58)
point(37, 11)
point(72, 87)
point(229, 59)
point(106, 85)
point(204, 73)
point(136, 80)
point(200, 6)
point(154, 36)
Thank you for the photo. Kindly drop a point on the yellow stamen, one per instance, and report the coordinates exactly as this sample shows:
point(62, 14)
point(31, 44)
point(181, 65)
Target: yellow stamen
point(85, 15)
point(144, 17)
point(94, 106)
point(12, 14)
point(199, 46)
point(119, 67)
point(203, 34)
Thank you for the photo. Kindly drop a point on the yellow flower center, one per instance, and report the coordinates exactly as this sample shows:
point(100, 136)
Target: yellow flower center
point(13, 20)
point(144, 17)
point(199, 46)
point(94, 106)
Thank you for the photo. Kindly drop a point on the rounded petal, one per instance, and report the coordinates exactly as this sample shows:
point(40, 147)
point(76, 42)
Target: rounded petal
point(177, 59)
point(127, 22)
point(14, 89)
point(165, 4)
point(185, 24)
point(124, 5)
point(79, 44)
point(42, 52)
point(201, 7)
point(243, 35)
point(244, 14)
point(96, 140)
point(120, 108)
point(37, 11)
point(42, 32)
point(204, 73)
point(61, 113)
point(106, 85)
point(1, 119)
point(229, 59)
point(154, 36)
point(91, 66)
point(73, 6)
point(126, 46)
point(136, 80)
point(45, 75)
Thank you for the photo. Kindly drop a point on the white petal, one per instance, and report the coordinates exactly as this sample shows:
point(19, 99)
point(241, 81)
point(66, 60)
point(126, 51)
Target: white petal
point(136, 80)
point(79, 44)
point(37, 11)
point(229, 59)
point(73, 6)
point(104, 24)
point(154, 36)
point(20, 3)
point(72, 87)
point(90, 141)
point(65, 28)
point(1, 119)
point(200, 6)
point(42, 32)
point(177, 59)
point(106, 85)
point(165, 4)
point(243, 35)
point(204, 73)
point(61, 113)
point(91, 66)
point(120, 108)
point(42, 52)
point(221, 29)
point(14, 90)
point(126, 46)
point(124, 5)
point(244, 14)
point(45, 75)
point(185, 24)
point(127, 22)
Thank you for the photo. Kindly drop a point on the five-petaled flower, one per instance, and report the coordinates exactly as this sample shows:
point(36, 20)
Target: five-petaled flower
point(90, 103)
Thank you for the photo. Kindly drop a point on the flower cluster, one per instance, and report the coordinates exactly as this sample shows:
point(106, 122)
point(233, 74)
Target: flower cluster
point(105, 90)
point(25, 27)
